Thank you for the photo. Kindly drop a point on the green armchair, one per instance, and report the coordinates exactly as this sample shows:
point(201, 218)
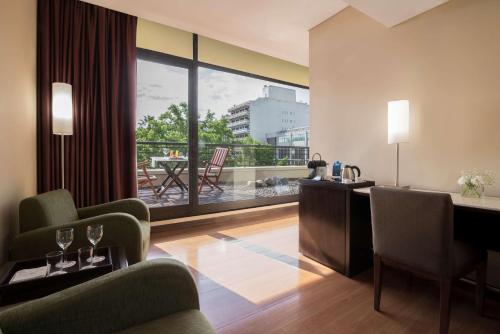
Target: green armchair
point(125, 223)
point(150, 297)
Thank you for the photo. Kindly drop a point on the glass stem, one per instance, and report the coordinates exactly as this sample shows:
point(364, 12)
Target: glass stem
point(93, 255)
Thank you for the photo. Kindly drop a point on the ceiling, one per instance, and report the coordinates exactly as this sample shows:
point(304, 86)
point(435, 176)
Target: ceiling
point(277, 28)
point(393, 12)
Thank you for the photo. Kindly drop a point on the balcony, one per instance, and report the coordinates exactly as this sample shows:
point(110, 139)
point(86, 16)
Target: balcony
point(235, 123)
point(240, 131)
point(250, 172)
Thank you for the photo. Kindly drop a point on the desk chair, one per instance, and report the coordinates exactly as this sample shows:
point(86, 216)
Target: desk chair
point(413, 231)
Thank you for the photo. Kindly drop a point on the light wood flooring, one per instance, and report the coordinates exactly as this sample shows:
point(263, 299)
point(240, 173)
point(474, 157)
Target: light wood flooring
point(252, 279)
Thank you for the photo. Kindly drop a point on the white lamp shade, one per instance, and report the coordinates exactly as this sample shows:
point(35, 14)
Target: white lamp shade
point(398, 121)
point(62, 108)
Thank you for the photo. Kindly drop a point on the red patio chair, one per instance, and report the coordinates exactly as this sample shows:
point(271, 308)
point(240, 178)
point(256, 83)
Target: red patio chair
point(213, 169)
point(146, 178)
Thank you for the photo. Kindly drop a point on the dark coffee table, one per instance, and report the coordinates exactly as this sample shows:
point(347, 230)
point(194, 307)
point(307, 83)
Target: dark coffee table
point(11, 293)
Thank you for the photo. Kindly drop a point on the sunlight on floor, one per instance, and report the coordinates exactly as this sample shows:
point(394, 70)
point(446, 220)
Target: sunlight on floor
point(259, 266)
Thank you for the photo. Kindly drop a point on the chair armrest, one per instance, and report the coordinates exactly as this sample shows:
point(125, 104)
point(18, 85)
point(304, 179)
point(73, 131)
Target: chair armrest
point(133, 206)
point(116, 301)
point(119, 229)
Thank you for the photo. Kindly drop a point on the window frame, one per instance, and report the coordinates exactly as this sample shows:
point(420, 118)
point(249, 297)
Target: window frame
point(194, 208)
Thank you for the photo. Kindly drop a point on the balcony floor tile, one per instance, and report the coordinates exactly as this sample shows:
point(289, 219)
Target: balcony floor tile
point(174, 196)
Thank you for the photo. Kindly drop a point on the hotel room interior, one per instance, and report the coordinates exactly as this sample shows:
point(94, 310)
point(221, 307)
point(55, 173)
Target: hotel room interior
point(231, 166)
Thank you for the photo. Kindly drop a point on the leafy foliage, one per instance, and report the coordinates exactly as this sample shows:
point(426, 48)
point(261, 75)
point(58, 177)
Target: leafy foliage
point(213, 130)
point(172, 126)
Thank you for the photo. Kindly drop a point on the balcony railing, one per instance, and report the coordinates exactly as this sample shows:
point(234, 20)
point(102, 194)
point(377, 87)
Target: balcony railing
point(239, 155)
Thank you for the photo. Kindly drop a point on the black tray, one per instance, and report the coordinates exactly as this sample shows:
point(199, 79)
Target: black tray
point(43, 286)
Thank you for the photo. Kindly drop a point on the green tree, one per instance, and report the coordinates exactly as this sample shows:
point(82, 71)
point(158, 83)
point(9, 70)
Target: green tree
point(255, 154)
point(213, 130)
point(172, 126)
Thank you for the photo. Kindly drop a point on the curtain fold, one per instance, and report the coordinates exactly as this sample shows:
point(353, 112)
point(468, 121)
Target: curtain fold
point(93, 49)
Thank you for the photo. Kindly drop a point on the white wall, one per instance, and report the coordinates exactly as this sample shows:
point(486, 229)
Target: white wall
point(17, 111)
point(445, 61)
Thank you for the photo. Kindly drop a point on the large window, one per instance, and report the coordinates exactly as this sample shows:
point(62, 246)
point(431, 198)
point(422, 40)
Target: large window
point(162, 133)
point(251, 117)
point(212, 139)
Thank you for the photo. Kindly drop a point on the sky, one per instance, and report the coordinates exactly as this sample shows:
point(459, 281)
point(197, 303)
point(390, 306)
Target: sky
point(159, 86)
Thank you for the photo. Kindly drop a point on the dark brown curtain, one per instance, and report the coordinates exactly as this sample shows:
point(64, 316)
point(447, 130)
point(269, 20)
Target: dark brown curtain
point(93, 49)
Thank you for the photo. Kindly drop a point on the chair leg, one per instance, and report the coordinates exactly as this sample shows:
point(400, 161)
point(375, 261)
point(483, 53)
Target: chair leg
point(214, 184)
point(201, 185)
point(445, 297)
point(480, 287)
point(377, 281)
point(153, 188)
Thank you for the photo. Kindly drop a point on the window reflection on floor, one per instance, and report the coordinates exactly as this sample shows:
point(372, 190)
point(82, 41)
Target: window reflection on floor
point(258, 265)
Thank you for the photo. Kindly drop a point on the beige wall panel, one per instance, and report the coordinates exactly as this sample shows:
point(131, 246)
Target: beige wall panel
point(161, 38)
point(227, 55)
point(17, 111)
point(446, 62)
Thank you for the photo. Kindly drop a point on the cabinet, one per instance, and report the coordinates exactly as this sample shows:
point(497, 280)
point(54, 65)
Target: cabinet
point(334, 226)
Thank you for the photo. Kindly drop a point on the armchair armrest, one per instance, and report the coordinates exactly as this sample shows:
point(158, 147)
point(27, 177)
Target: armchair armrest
point(133, 206)
point(119, 229)
point(121, 299)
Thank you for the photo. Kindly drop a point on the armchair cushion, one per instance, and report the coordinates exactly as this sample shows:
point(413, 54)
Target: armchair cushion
point(190, 321)
point(129, 297)
point(133, 206)
point(48, 209)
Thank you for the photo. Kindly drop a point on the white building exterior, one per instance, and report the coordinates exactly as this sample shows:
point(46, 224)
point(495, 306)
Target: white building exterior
point(277, 110)
point(290, 137)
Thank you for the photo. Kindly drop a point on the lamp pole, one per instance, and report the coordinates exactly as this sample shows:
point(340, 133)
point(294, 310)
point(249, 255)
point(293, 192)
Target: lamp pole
point(62, 161)
point(62, 115)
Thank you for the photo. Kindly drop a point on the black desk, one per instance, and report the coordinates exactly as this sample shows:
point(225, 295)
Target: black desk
point(476, 221)
point(335, 226)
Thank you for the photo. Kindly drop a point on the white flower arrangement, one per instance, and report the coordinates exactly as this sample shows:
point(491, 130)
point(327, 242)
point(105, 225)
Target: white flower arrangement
point(472, 182)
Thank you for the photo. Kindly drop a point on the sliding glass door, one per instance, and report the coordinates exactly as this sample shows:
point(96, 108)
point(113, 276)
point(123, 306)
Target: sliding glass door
point(212, 139)
point(263, 125)
point(162, 132)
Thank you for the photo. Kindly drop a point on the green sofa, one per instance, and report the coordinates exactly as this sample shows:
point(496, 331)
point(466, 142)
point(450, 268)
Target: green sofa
point(150, 297)
point(125, 223)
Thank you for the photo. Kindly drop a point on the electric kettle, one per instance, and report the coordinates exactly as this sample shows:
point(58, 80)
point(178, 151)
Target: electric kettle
point(348, 173)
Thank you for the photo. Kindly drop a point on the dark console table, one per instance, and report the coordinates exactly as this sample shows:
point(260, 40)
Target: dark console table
point(334, 225)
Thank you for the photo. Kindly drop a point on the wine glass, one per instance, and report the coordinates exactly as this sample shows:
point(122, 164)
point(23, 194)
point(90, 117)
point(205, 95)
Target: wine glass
point(64, 238)
point(84, 254)
point(53, 260)
point(94, 234)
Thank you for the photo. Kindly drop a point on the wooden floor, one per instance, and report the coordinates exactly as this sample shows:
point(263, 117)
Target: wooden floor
point(252, 279)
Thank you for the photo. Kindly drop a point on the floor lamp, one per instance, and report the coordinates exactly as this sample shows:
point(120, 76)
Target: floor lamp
point(62, 116)
point(398, 127)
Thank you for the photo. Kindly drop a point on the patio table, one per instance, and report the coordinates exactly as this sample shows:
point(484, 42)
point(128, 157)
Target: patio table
point(173, 167)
